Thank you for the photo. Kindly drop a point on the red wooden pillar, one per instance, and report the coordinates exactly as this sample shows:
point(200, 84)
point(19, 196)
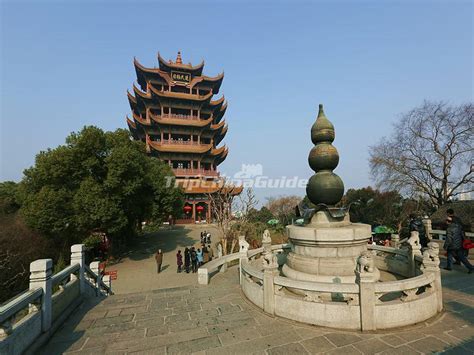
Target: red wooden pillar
point(208, 212)
point(194, 212)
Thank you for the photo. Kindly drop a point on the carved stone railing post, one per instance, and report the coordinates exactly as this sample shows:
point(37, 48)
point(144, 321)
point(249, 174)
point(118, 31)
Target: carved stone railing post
point(427, 223)
point(431, 265)
point(220, 254)
point(94, 266)
point(40, 277)
point(223, 267)
point(270, 270)
point(269, 274)
point(243, 249)
point(107, 281)
point(203, 276)
point(414, 250)
point(78, 257)
point(395, 241)
point(367, 299)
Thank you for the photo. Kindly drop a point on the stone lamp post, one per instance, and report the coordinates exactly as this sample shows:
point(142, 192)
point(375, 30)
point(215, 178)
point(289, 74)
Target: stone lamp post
point(328, 248)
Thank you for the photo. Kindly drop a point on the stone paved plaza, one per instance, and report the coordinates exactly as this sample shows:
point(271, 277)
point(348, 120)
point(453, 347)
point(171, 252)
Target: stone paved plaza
point(215, 319)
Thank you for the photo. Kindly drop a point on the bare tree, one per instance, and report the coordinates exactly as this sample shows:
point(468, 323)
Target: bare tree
point(283, 207)
point(430, 152)
point(222, 201)
point(246, 203)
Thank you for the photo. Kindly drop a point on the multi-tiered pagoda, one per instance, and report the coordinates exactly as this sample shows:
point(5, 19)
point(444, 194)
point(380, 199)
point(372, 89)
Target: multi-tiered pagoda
point(175, 114)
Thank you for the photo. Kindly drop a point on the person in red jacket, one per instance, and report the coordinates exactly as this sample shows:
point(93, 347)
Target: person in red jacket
point(179, 260)
point(454, 245)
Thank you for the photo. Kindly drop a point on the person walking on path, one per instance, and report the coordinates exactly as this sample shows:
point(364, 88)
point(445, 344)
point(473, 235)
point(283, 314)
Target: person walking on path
point(210, 252)
point(179, 260)
point(205, 254)
point(159, 260)
point(194, 260)
point(456, 219)
point(187, 259)
point(454, 245)
point(199, 257)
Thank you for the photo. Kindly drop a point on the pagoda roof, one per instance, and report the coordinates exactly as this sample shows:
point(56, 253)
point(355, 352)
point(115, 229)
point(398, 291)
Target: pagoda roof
point(154, 98)
point(145, 75)
point(131, 99)
point(214, 82)
point(217, 126)
point(218, 102)
point(133, 128)
point(220, 128)
point(221, 157)
point(169, 65)
point(220, 136)
point(140, 120)
point(218, 116)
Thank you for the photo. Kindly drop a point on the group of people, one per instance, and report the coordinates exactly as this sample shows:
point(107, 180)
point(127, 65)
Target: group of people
point(194, 258)
point(205, 237)
point(456, 244)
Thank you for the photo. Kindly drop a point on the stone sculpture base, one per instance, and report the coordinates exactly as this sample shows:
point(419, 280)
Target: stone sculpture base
point(326, 250)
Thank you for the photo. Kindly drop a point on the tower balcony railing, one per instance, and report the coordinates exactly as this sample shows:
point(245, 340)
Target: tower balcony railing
point(180, 117)
point(195, 172)
point(181, 142)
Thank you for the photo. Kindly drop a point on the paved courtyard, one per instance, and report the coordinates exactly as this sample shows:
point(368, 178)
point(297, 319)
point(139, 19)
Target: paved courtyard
point(215, 319)
point(137, 270)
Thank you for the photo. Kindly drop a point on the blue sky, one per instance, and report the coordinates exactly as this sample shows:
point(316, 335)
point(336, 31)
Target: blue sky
point(68, 64)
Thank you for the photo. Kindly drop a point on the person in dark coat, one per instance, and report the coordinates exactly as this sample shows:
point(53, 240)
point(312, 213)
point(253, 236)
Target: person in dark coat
point(454, 244)
point(179, 260)
point(456, 219)
point(159, 260)
point(210, 252)
point(187, 259)
point(417, 225)
point(194, 260)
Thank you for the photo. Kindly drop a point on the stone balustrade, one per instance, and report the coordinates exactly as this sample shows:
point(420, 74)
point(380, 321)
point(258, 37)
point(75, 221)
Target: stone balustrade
point(28, 320)
point(207, 270)
point(365, 305)
point(439, 234)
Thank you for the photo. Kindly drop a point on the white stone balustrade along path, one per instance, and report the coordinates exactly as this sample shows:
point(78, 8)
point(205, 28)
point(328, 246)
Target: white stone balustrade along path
point(28, 320)
point(362, 305)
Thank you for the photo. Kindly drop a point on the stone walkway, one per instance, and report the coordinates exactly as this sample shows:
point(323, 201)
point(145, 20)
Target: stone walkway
point(137, 270)
point(215, 319)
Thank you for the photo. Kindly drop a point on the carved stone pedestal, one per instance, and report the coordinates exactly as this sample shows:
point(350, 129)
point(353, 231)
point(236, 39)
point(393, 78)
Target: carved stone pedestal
point(327, 249)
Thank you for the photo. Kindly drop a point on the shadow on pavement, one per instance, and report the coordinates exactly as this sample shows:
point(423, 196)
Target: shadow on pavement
point(71, 334)
point(143, 247)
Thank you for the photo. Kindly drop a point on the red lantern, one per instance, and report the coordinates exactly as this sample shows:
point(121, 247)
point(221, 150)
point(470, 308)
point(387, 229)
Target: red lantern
point(187, 208)
point(200, 208)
